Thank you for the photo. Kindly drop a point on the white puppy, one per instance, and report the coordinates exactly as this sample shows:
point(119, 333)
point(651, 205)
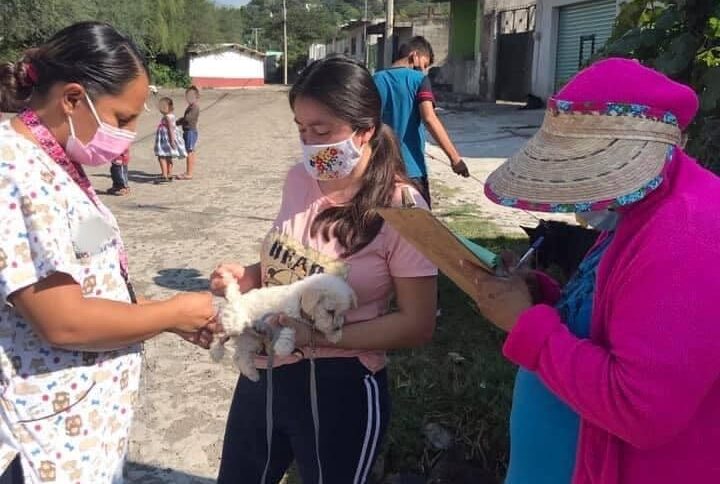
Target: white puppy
point(321, 299)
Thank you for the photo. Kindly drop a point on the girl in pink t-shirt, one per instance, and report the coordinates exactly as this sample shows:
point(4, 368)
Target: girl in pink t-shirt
point(327, 223)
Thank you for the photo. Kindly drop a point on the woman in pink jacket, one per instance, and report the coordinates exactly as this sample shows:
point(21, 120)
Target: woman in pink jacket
point(618, 378)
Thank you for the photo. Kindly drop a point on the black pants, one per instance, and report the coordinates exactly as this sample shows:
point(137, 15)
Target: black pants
point(119, 175)
point(423, 185)
point(13, 474)
point(354, 407)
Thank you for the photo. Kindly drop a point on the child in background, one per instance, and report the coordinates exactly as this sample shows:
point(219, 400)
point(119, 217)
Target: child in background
point(119, 175)
point(408, 104)
point(169, 143)
point(189, 123)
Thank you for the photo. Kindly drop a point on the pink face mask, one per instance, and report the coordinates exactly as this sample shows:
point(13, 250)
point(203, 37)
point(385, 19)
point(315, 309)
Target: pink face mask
point(106, 145)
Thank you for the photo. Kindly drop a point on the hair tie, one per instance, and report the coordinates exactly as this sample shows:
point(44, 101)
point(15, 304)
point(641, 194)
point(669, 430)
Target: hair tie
point(30, 76)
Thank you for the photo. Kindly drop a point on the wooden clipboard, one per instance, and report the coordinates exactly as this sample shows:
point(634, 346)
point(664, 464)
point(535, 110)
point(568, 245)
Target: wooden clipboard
point(439, 244)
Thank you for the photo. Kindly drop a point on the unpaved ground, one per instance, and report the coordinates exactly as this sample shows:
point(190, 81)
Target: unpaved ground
point(176, 233)
point(485, 138)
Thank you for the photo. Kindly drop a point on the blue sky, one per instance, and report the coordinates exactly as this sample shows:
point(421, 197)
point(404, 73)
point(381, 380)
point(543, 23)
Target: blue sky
point(232, 3)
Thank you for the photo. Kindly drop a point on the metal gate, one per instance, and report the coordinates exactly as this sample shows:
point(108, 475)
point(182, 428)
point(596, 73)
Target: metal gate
point(514, 54)
point(583, 29)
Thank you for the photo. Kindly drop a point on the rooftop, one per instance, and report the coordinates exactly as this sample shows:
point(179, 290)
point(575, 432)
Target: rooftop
point(204, 49)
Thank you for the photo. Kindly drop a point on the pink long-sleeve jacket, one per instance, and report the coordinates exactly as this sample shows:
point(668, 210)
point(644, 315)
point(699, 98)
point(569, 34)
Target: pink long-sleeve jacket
point(646, 384)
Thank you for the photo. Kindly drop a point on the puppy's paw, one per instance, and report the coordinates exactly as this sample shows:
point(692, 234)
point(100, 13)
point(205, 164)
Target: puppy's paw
point(217, 350)
point(285, 343)
point(334, 336)
point(251, 374)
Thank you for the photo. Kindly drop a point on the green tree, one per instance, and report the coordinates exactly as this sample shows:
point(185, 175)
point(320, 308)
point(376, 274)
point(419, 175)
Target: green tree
point(24, 23)
point(131, 18)
point(167, 32)
point(231, 26)
point(201, 22)
point(163, 29)
point(682, 39)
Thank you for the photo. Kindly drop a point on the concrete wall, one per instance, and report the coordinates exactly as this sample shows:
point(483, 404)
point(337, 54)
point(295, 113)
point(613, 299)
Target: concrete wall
point(488, 53)
point(463, 70)
point(546, 30)
point(436, 31)
point(226, 69)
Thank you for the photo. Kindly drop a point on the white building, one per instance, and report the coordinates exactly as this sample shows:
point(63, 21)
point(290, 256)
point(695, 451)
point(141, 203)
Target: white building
point(225, 65)
point(353, 40)
point(568, 33)
point(317, 52)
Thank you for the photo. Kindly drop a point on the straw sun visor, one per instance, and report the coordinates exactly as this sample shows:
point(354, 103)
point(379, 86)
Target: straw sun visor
point(585, 158)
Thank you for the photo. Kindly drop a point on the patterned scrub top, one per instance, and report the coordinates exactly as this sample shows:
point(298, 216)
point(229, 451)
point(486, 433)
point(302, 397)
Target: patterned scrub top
point(67, 413)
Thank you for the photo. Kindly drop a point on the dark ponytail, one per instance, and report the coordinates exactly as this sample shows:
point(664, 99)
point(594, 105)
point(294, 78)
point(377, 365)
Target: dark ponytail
point(15, 85)
point(348, 90)
point(92, 54)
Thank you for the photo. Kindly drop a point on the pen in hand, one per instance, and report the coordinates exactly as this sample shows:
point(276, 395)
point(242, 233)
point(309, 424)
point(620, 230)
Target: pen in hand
point(526, 256)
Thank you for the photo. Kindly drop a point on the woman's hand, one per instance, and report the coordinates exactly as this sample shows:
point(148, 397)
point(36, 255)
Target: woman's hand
point(510, 260)
point(500, 299)
point(202, 338)
point(195, 312)
point(246, 277)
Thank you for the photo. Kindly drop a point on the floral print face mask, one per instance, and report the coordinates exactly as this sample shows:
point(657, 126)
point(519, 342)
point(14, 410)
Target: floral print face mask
point(332, 161)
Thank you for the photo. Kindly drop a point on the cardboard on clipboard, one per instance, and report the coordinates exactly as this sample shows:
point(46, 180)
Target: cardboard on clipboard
point(440, 245)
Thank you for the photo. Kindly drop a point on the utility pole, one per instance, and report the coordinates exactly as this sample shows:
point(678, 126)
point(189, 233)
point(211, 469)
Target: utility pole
point(365, 36)
point(389, 22)
point(285, 50)
point(255, 32)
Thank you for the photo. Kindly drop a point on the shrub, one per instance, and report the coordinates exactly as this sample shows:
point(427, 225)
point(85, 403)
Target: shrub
point(682, 39)
point(167, 76)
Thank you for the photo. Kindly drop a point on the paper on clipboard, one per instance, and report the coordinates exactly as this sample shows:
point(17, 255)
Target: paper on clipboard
point(439, 244)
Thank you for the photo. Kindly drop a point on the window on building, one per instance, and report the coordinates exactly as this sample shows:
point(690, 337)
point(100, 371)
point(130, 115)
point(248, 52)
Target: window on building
point(353, 46)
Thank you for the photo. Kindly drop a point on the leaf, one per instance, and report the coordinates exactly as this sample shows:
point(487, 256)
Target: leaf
point(714, 27)
point(626, 44)
point(668, 19)
point(679, 55)
point(711, 57)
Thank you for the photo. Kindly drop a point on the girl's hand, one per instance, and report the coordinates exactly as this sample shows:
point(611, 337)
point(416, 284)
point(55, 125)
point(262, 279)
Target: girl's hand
point(195, 312)
point(238, 271)
point(303, 331)
point(501, 300)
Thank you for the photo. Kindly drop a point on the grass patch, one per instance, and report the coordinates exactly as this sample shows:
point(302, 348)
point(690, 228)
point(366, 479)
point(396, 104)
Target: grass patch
point(460, 381)
point(442, 191)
